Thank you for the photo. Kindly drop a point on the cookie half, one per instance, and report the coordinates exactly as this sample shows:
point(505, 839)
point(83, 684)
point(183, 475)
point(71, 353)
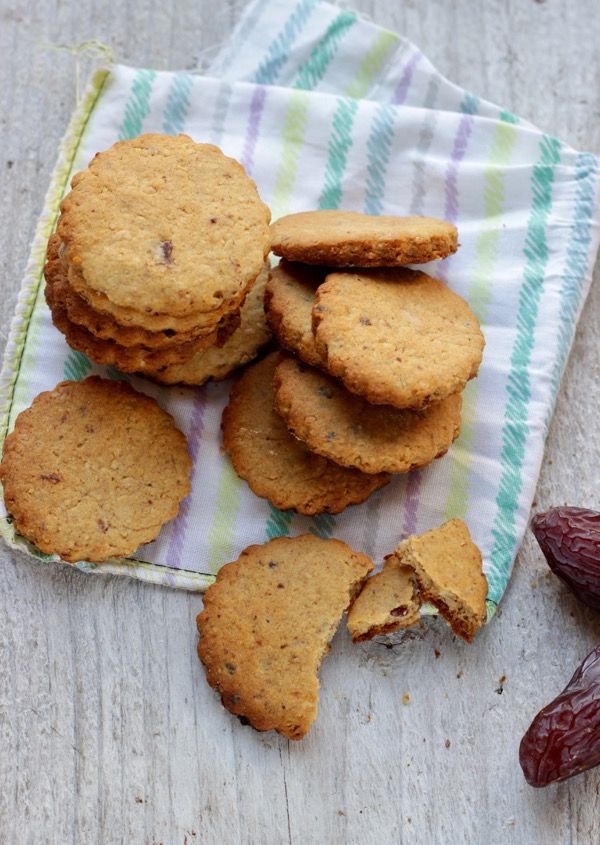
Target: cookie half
point(350, 239)
point(93, 469)
point(267, 623)
point(448, 570)
point(163, 224)
point(345, 428)
point(275, 464)
point(397, 337)
point(387, 602)
point(289, 300)
point(241, 347)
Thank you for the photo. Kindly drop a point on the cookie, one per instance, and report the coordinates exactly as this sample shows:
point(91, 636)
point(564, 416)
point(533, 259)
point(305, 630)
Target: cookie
point(289, 300)
point(93, 469)
point(240, 348)
point(267, 623)
point(397, 337)
point(276, 465)
point(105, 327)
point(350, 239)
point(162, 224)
point(344, 428)
point(448, 570)
point(387, 602)
point(128, 359)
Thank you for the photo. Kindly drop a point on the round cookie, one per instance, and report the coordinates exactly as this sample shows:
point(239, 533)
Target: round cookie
point(289, 300)
point(344, 428)
point(128, 359)
point(276, 465)
point(162, 224)
point(267, 623)
point(242, 346)
point(93, 469)
point(397, 336)
point(350, 239)
point(105, 327)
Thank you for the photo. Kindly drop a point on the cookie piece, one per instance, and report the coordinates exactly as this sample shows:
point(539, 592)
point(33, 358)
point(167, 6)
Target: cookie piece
point(350, 239)
point(276, 465)
point(448, 570)
point(105, 327)
point(345, 428)
point(397, 337)
point(163, 224)
point(93, 469)
point(267, 623)
point(289, 300)
point(240, 348)
point(387, 602)
point(128, 359)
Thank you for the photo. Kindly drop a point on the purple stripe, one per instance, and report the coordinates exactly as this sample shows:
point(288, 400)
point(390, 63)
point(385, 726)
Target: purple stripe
point(401, 91)
point(465, 127)
point(194, 436)
point(256, 109)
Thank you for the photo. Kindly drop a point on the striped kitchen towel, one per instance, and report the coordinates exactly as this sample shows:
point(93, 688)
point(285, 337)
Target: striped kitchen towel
point(327, 110)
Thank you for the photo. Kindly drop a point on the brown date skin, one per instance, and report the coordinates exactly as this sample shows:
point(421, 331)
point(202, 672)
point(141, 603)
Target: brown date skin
point(570, 541)
point(564, 738)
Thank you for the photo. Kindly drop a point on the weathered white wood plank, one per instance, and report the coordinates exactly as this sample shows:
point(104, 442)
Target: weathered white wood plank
point(108, 731)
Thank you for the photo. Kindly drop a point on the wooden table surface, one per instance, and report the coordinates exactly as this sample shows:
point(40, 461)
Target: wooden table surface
point(108, 730)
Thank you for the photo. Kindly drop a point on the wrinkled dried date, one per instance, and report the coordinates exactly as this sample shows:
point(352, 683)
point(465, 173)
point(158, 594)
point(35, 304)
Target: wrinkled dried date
point(570, 541)
point(564, 738)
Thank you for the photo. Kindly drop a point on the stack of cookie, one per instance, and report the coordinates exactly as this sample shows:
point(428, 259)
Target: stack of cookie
point(157, 248)
point(377, 356)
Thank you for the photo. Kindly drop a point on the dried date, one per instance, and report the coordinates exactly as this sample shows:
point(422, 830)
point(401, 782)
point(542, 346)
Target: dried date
point(564, 738)
point(570, 541)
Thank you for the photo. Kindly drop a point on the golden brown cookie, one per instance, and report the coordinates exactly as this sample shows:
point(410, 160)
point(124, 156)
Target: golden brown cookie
point(289, 300)
point(276, 465)
point(448, 570)
point(93, 469)
point(241, 347)
point(162, 224)
point(344, 428)
point(105, 327)
point(350, 239)
point(387, 602)
point(397, 337)
point(267, 623)
point(128, 359)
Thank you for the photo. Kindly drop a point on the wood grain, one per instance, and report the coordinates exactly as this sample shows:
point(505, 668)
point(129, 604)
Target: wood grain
point(108, 731)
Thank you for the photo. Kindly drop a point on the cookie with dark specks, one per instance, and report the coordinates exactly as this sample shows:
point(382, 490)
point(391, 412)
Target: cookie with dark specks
point(396, 336)
point(345, 428)
point(241, 347)
point(275, 464)
point(163, 224)
point(387, 602)
point(128, 359)
point(289, 300)
point(448, 570)
point(351, 239)
point(93, 469)
point(267, 623)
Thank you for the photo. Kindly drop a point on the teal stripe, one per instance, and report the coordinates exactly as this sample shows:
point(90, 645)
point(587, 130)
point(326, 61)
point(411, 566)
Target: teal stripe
point(220, 112)
point(379, 148)
point(278, 523)
point(340, 142)
point(138, 105)
point(279, 49)
point(469, 104)
point(313, 70)
point(322, 526)
point(515, 428)
point(178, 104)
point(586, 174)
point(76, 366)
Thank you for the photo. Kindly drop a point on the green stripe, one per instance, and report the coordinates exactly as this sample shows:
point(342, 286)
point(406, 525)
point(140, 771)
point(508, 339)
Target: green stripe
point(479, 298)
point(76, 366)
point(515, 429)
point(221, 535)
